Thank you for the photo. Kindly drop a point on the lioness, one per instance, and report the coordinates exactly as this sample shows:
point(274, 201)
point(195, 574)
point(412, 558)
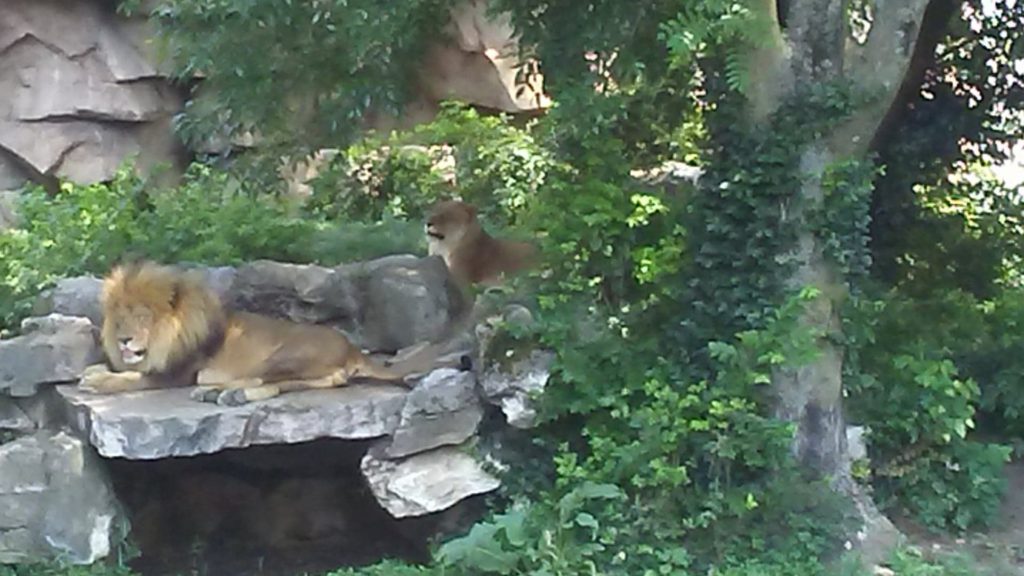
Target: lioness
point(472, 255)
point(164, 327)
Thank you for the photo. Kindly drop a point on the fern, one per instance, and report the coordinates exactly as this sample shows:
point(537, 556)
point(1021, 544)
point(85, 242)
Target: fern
point(737, 72)
point(729, 25)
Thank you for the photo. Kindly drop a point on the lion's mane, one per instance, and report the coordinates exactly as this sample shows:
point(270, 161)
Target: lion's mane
point(184, 317)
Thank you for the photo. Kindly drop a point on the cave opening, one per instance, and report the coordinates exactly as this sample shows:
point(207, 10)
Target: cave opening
point(273, 510)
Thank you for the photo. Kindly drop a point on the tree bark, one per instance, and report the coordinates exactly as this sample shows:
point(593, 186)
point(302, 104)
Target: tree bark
point(814, 48)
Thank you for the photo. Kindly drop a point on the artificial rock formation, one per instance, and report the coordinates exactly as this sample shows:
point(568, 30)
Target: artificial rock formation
point(416, 461)
point(56, 349)
point(479, 64)
point(55, 501)
point(78, 93)
point(82, 90)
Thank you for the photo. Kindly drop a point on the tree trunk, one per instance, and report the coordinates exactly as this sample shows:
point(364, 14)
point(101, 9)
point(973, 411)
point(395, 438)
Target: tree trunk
point(814, 48)
point(811, 395)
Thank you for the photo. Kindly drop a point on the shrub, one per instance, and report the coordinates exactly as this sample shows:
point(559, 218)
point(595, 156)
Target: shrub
point(494, 166)
point(906, 388)
point(666, 473)
point(335, 243)
point(996, 360)
point(85, 229)
point(57, 569)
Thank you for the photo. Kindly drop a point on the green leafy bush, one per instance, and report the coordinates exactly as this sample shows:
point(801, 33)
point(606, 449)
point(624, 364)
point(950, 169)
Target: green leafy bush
point(337, 242)
point(666, 474)
point(56, 569)
point(85, 229)
point(372, 180)
point(482, 159)
point(919, 409)
point(995, 358)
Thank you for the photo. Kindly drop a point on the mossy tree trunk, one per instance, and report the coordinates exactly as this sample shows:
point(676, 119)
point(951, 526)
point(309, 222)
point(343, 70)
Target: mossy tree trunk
point(812, 45)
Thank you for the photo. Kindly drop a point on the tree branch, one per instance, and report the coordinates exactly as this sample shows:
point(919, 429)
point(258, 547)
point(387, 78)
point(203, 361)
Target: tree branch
point(903, 32)
point(768, 63)
point(816, 30)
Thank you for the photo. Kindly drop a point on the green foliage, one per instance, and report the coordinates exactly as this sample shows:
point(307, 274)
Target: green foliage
point(666, 474)
point(372, 181)
point(995, 360)
point(561, 539)
point(911, 562)
point(967, 113)
point(335, 243)
point(85, 229)
point(843, 219)
point(905, 386)
point(963, 231)
point(321, 65)
point(56, 569)
point(496, 167)
point(719, 22)
point(389, 568)
point(743, 222)
point(960, 487)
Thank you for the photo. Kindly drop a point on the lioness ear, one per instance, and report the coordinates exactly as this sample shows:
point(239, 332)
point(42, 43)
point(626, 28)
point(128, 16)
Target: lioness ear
point(471, 210)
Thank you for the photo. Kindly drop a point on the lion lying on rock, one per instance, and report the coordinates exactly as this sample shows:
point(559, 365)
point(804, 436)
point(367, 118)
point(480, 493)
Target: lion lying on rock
point(163, 327)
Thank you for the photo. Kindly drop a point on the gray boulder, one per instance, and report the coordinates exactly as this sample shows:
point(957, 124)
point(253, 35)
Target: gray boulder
point(55, 348)
point(382, 305)
point(13, 418)
point(427, 482)
point(55, 501)
point(512, 385)
point(79, 296)
point(443, 409)
point(385, 304)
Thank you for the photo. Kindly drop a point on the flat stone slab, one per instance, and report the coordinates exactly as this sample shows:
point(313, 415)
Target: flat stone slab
point(427, 482)
point(165, 423)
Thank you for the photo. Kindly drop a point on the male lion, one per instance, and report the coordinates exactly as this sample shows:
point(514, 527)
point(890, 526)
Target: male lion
point(164, 327)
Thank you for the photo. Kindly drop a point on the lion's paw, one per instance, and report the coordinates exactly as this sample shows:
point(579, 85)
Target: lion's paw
point(100, 382)
point(95, 369)
point(233, 397)
point(204, 394)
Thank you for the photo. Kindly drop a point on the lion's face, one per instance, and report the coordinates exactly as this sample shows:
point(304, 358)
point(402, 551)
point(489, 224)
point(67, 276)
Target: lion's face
point(131, 327)
point(447, 224)
point(153, 315)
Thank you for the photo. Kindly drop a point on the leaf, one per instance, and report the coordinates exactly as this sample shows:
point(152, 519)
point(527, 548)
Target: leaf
point(480, 549)
point(587, 521)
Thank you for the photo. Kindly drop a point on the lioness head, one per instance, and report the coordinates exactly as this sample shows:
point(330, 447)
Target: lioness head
point(447, 223)
point(153, 315)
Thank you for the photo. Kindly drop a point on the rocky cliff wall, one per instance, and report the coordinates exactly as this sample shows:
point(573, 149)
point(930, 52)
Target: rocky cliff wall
point(81, 89)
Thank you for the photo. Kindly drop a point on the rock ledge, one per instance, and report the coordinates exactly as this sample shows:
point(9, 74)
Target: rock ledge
point(166, 423)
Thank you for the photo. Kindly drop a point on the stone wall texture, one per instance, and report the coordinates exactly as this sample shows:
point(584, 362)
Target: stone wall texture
point(81, 89)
